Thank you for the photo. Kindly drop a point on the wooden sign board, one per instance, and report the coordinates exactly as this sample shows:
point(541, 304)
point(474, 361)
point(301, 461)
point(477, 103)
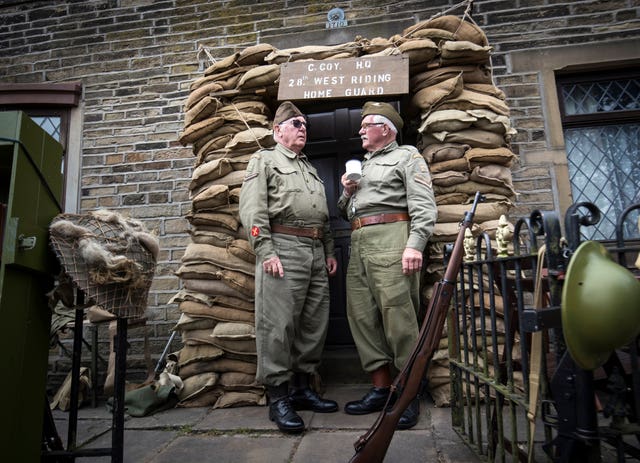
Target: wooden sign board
point(344, 78)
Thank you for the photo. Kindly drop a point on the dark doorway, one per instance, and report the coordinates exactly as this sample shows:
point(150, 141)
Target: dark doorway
point(332, 140)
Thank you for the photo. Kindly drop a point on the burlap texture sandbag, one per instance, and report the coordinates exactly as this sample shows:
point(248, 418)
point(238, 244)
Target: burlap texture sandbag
point(187, 322)
point(471, 73)
point(472, 187)
point(197, 337)
point(374, 45)
point(221, 65)
point(448, 120)
point(203, 109)
point(233, 179)
point(240, 233)
point(448, 231)
point(472, 137)
point(437, 35)
point(467, 99)
point(234, 195)
point(203, 253)
point(461, 29)
point(486, 88)
point(202, 146)
point(243, 250)
point(312, 52)
point(221, 365)
point(223, 77)
point(487, 302)
point(197, 384)
point(419, 51)
point(246, 105)
point(205, 398)
point(449, 178)
point(216, 312)
point(240, 399)
point(239, 281)
point(451, 198)
point(200, 270)
point(197, 95)
point(209, 171)
point(198, 353)
point(219, 239)
point(234, 331)
point(237, 346)
point(254, 54)
point(212, 197)
point(484, 211)
point(213, 288)
point(200, 129)
point(464, 52)
point(460, 165)
point(479, 156)
point(443, 152)
point(490, 121)
point(214, 219)
point(261, 76)
point(434, 95)
point(237, 381)
point(254, 139)
point(493, 174)
point(194, 296)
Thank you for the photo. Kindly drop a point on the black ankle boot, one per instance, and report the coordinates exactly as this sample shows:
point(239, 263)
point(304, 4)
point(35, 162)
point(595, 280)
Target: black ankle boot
point(373, 401)
point(304, 398)
point(410, 416)
point(281, 411)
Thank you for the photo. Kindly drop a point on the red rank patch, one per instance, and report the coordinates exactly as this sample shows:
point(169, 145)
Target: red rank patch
point(255, 231)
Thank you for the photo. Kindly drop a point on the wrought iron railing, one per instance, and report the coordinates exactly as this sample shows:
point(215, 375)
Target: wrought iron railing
point(580, 415)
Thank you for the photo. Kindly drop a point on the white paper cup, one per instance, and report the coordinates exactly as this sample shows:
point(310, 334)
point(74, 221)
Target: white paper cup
point(354, 170)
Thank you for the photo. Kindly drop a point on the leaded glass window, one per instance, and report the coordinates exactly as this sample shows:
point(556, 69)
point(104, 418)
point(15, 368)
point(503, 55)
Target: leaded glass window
point(601, 120)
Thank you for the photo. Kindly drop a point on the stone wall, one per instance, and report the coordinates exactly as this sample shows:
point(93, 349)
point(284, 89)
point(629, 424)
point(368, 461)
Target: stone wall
point(137, 58)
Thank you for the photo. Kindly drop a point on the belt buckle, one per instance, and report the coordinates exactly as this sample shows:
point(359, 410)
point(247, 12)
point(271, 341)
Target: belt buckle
point(316, 234)
point(358, 223)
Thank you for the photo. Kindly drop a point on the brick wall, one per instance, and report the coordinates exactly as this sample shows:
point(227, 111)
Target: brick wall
point(137, 58)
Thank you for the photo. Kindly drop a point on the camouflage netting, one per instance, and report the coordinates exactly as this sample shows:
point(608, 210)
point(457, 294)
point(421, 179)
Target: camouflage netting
point(463, 131)
point(111, 258)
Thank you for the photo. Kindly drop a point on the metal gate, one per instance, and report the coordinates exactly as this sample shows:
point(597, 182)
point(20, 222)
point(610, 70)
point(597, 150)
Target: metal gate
point(576, 414)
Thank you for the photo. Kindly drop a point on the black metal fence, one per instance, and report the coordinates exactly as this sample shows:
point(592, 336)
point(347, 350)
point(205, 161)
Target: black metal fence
point(517, 392)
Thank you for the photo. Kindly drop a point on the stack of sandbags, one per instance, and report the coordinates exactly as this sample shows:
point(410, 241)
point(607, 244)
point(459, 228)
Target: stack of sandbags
point(226, 121)
point(464, 132)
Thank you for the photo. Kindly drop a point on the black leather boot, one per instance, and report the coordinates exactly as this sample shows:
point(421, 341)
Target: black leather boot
point(281, 411)
point(410, 416)
point(304, 398)
point(373, 401)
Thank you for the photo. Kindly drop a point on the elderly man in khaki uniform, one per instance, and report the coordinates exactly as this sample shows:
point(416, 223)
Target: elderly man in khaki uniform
point(283, 205)
point(392, 211)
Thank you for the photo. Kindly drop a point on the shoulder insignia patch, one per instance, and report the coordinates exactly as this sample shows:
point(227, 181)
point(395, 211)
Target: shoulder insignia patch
point(255, 231)
point(423, 179)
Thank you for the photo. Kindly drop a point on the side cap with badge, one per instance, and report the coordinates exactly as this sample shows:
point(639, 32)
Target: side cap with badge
point(383, 109)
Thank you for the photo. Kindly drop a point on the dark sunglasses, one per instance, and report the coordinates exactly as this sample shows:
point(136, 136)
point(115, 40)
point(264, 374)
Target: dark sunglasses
point(296, 123)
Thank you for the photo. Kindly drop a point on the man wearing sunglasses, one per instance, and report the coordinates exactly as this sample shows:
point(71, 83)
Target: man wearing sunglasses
point(392, 211)
point(284, 207)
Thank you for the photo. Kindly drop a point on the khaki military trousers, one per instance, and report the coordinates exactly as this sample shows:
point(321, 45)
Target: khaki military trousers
point(382, 302)
point(292, 313)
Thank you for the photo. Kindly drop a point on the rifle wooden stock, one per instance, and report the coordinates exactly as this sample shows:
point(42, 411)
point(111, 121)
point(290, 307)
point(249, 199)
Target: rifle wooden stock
point(372, 446)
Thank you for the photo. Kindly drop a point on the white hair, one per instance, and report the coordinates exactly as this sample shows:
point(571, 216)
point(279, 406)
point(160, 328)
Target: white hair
point(378, 118)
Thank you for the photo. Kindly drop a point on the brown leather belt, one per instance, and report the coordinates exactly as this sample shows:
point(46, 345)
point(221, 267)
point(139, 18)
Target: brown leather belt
point(315, 233)
point(377, 219)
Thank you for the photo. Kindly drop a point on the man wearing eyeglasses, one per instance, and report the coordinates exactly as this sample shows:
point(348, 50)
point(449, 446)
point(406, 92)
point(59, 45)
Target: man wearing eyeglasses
point(284, 207)
point(392, 211)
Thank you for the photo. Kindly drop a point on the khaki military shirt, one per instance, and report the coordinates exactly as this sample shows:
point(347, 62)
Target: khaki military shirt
point(395, 179)
point(284, 188)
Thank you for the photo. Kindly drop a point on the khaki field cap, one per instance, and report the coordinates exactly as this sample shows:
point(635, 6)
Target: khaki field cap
point(286, 111)
point(383, 109)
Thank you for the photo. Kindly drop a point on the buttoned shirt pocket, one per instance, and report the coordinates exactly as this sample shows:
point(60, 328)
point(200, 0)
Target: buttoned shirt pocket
point(381, 171)
point(287, 179)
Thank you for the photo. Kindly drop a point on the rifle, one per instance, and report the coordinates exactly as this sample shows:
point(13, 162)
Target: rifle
point(372, 446)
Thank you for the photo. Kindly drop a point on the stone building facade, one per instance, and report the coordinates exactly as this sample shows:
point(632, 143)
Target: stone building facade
point(119, 72)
